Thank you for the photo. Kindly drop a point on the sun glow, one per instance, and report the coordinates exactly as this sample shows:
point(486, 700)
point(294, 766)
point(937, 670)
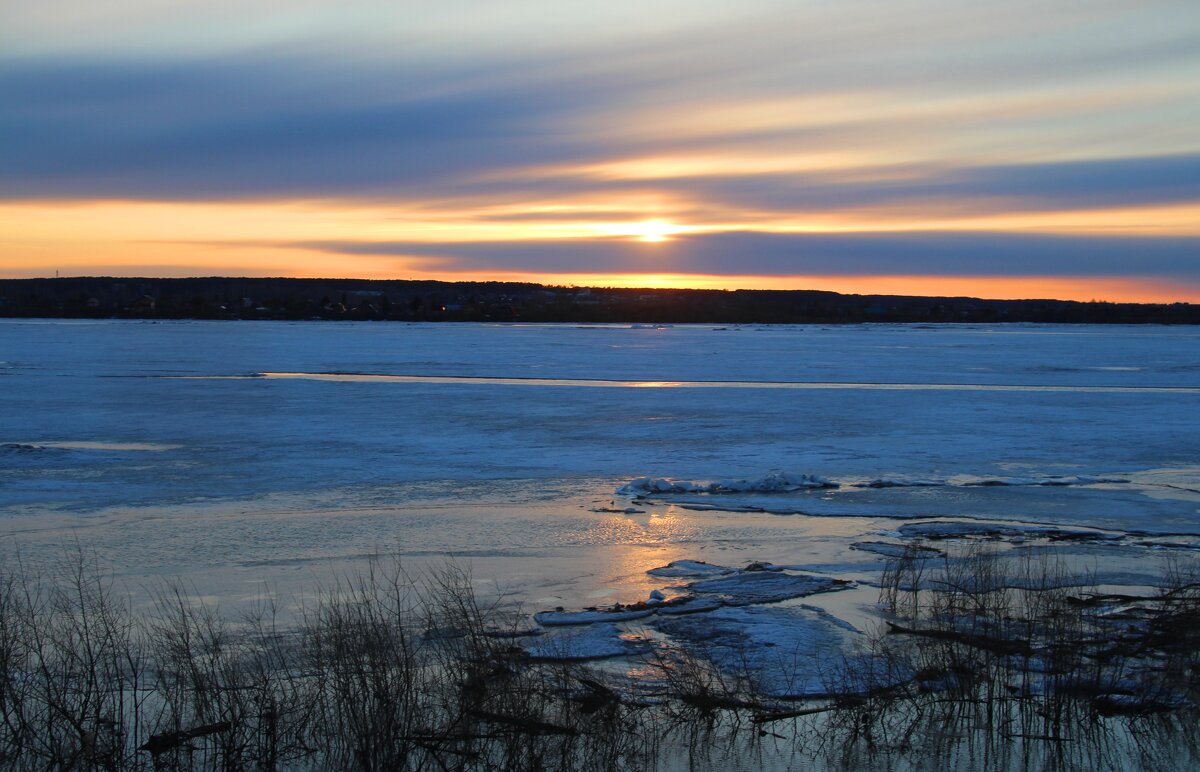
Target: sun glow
point(654, 230)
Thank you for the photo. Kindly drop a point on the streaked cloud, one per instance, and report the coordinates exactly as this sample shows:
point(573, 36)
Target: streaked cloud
point(769, 139)
point(763, 254)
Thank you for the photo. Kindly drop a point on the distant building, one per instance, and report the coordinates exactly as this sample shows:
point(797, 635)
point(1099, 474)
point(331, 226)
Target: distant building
point(143, 304)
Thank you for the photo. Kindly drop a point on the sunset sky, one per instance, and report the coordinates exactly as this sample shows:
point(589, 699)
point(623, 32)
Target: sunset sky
point(1000, 149)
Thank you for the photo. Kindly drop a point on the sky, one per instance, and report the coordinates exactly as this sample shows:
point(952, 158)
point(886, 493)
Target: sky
point(1046, 148)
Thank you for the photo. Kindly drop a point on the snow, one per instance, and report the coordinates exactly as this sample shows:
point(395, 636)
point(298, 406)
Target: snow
point(645, 486)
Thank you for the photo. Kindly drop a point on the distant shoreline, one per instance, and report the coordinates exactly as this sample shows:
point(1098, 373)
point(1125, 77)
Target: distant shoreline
point(231, 298)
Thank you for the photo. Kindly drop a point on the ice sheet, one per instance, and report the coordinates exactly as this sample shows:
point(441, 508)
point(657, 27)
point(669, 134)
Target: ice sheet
point(231, 482)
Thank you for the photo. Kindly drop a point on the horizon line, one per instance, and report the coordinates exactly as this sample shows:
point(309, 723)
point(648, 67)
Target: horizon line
point(617, 286)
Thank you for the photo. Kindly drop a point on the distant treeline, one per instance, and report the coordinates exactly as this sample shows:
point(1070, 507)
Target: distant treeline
point(364, 299)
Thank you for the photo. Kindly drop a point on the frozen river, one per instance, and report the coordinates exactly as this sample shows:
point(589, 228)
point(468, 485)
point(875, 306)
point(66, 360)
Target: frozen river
point(244, 456)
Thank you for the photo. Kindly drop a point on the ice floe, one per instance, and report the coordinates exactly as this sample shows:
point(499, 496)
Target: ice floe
point(957, 530)
point(891, 482)
point(787, 482)
point(774, 482)
point(749, 587)
point(757, 583)
point(20, 447)
point(893, 550)
point(788, 652)
point(614, 613)
point(689, 568)
point(599, 641)
point(1051, 481)
point(688, 605)
point(658, 603)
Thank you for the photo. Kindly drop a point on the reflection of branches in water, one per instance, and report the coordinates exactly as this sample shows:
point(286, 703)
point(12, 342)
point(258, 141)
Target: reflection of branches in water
point(1010, 666)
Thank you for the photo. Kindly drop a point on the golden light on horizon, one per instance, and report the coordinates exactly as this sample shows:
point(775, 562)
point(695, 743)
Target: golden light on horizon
point(655, 230)
point(407, 240)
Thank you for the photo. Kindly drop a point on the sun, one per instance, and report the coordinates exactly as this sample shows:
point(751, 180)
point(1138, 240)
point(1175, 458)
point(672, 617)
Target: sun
point(654, 230)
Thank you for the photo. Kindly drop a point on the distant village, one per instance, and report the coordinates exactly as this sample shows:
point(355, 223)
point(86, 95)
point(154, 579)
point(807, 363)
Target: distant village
point(428, 301)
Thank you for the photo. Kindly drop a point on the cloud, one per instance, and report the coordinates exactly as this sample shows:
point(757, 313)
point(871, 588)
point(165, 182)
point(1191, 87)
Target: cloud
point(465, 100)
point(1103, 183)
point(743, 253)
point(456, 119)
point(277, 128)
point(300, 129)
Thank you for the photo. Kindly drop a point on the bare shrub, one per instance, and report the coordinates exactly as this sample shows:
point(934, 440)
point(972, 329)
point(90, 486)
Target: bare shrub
point(72, 670)
point(1009, 659)
point(1000, 659)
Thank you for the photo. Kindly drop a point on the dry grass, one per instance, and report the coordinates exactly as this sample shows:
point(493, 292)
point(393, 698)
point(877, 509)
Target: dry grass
point(1008, 663)
point(987, 660)
point(381, 673)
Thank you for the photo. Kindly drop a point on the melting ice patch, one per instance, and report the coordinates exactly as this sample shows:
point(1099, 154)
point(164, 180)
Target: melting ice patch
point(20, 447)
point(893, 482)
point(759, 583)
point(1050, 481)
point(615, 613)
point(1046, 481)
point(957, 530)
point(689, 569)
point(153, 447)
point(788, 482)
point(748, 587)
point(592, 642)
point(789, 652)
point(893, 550)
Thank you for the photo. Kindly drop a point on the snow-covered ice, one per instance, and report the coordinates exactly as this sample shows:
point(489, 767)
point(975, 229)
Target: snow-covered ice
point(165, 450)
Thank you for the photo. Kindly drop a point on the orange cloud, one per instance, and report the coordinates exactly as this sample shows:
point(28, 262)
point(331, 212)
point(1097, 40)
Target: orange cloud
point(260, 238)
